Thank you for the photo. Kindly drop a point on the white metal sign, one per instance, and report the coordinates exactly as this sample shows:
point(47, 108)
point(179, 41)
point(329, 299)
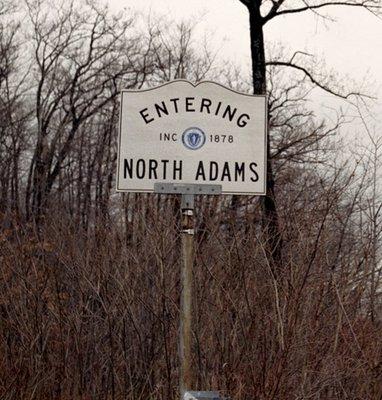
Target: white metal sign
point(182, 133)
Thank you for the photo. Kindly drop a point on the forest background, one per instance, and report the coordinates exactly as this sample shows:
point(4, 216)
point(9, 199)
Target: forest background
point(89, 299)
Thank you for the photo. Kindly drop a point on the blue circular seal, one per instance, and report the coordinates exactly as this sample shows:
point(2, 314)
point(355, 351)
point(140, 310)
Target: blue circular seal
point(193, 138)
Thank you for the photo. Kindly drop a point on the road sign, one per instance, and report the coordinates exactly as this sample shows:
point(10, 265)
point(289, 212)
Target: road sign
point(192, 134)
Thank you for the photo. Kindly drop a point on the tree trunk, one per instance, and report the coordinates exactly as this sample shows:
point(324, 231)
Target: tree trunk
point(39, 179)
point(270, 216)
point(257, 50)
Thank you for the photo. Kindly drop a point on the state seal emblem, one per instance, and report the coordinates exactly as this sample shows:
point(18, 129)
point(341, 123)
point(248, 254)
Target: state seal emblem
point(193, 138)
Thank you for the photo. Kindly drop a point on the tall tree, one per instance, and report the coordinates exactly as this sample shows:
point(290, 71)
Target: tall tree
point(82, 56)
point(15, 113)
point(260, 13)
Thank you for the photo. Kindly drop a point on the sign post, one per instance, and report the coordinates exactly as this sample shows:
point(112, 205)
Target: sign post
point(185, 334)
point(186, 375)
point(190, 139)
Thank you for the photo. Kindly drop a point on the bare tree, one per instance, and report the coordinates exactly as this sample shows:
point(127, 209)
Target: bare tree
point(369, 153)
point(83, 57)
point(175, 54)
point(14, 111)
point(261, 13)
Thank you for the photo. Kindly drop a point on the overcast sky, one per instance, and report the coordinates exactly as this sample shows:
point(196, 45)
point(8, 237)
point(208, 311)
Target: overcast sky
point(351, 46)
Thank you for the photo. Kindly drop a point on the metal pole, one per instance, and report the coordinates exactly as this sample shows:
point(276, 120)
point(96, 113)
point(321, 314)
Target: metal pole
point(186, 373)
point(185, 341)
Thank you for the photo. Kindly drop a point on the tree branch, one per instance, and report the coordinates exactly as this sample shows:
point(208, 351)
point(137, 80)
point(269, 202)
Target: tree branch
point(313, 80)
point(368, 4)
point(273, 11)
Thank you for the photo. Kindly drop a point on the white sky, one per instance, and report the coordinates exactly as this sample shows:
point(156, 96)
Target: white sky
point(351, 46)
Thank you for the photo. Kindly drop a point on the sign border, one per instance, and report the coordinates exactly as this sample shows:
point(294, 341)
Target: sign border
point(263, 193)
